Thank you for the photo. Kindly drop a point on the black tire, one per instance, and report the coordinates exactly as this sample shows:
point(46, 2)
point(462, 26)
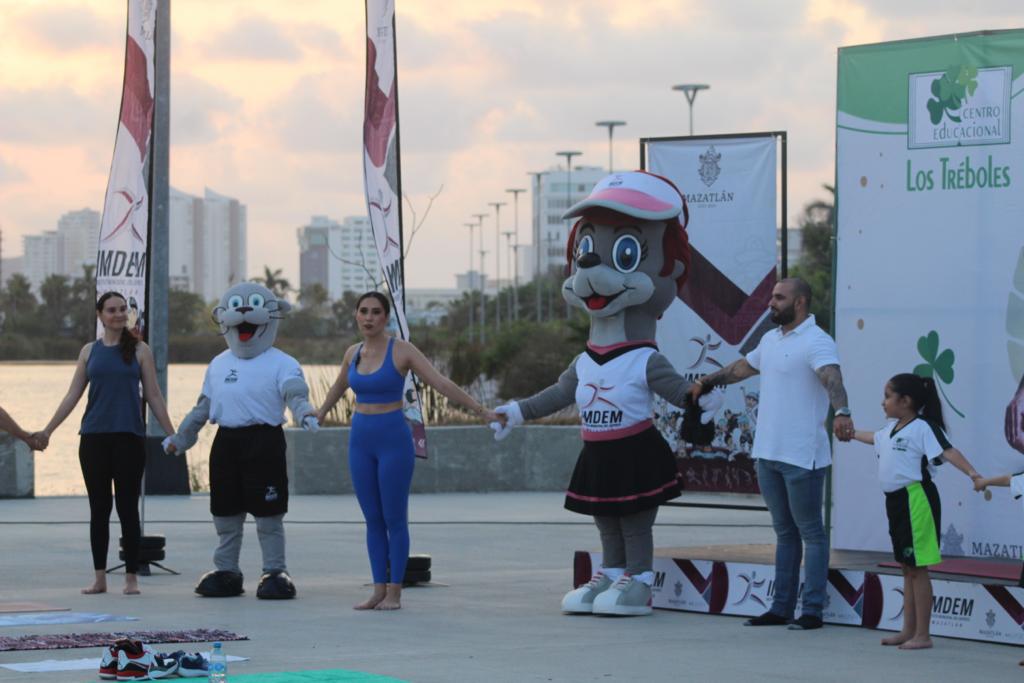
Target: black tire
point(414, 577)
point(149, 542)
point(418, 563)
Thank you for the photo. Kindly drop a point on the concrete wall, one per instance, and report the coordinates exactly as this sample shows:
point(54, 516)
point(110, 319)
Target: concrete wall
point(534, 458)
point(17, 468)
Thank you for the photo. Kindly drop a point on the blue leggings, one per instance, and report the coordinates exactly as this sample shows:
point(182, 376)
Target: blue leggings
point(381, 460)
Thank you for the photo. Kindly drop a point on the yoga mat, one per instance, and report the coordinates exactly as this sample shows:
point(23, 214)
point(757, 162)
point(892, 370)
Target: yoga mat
point(70, 640)
point(47, 618)
point(986, 569)
point(323, 676)
point(86, 664)
point(6, 607)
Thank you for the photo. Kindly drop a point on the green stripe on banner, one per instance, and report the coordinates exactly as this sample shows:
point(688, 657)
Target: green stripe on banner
point(322, 676)
point(873, 78)
point(922, 525)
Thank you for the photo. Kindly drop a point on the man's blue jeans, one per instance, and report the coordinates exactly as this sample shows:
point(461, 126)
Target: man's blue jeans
point(793, 496)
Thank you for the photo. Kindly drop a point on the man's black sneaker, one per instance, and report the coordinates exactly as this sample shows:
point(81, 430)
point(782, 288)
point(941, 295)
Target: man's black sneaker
point(766, 619)
point(806, 622)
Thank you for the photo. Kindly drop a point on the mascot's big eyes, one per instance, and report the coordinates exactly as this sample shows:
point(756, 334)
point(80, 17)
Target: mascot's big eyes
point(626, 254)
point(256, 300)
point(585, 247)
point(235, 301)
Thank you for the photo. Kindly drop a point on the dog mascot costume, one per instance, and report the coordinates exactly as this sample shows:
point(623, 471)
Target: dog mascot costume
point(627, 261)
point(245, 392)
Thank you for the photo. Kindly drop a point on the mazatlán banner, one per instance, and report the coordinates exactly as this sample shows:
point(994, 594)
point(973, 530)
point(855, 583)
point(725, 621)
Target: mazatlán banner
point(124, 226)
point(730, 188)
point(382, 176)
point(930, 269)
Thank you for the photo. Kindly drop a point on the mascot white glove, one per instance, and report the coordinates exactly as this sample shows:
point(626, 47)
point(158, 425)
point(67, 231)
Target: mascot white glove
point(311, 424)
point(710, 403)
point(513, 418)
point(166, 443)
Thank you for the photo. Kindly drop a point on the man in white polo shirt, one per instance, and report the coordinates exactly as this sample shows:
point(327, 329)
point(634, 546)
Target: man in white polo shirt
point(800, 378)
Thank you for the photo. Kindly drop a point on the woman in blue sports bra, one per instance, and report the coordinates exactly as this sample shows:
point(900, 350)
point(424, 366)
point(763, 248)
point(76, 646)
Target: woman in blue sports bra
point(380, 451)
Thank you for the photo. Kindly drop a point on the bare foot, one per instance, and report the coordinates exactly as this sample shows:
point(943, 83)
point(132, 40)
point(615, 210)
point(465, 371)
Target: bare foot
point(917, 644)
point(131, 584)
point(98, 587)
point(371, 603)
point(897, 639)
point(392, 599)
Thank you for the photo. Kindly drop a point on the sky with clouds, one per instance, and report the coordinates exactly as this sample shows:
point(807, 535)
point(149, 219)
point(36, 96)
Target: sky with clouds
point(266, 99)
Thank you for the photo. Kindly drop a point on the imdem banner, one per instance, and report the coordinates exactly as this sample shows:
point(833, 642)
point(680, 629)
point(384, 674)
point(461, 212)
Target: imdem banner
point(930, 269)
point(730, 188)
point(124, 226)
point(382, 177)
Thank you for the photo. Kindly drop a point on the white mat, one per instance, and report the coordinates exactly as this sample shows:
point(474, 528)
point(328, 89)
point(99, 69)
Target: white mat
point(73, 664)
point(49, 618)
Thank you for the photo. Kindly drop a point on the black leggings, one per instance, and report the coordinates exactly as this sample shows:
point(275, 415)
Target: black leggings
point(119, 458)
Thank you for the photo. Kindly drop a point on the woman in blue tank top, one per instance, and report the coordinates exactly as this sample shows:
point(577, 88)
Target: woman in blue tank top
point(112, 447)
point(380, 451)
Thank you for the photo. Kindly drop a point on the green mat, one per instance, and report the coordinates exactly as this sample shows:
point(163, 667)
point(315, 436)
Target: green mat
point(323, 676)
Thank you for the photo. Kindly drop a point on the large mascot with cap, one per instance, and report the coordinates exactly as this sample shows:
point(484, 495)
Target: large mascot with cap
point(245, 392)
point(627, 261)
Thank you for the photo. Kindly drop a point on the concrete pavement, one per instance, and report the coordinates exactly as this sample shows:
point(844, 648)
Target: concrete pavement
point(506, 561)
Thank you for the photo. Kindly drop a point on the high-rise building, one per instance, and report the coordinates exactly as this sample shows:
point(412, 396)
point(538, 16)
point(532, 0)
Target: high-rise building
point(42, 257)
point(551, 231)
point(339, 256)
point(78, 234)
point(207, 243)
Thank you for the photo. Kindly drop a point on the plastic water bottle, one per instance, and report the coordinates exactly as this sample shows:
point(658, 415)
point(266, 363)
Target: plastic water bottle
point(218, 664)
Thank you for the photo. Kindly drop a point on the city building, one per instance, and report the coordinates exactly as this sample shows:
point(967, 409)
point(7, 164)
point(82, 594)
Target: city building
point(42, 258)
point(429, 306)
point(207, 242)
point(341, 257)
point(551, 231)
point(78, 237)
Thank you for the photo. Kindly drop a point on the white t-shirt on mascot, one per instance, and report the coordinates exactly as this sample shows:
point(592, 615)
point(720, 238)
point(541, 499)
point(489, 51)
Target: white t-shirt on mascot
point(248, 391)
point(613, 397)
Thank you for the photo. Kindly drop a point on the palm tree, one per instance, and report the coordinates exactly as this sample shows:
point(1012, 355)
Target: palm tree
point(273, 281)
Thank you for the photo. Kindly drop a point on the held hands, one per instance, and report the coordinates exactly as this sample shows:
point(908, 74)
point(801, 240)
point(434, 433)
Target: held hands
point(697, 388)
point(169, 446)
point(710, 403)
point(842, 427)
point(506, 417)
point(311, 424)
point(37, 441)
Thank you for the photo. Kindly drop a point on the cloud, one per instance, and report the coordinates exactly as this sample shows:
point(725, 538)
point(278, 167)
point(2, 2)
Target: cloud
point(53, 116)
point(201, 112)
point(317, 116)
point(9, 173)
point(253, 38)
point(68, 29)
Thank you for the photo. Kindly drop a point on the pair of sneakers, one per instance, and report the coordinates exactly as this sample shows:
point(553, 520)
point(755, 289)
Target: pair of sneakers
point(626, 596)
point(131, 660)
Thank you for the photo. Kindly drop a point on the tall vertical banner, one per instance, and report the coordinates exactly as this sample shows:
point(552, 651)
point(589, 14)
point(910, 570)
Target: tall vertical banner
point(382, 177)
point(730, 187)
point(124, 226)
point(930, 269)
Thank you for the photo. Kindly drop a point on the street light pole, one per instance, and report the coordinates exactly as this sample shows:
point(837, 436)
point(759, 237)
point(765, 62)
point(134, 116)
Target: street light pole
point(483, 281)
point(568, 196)
point(472, 288)
point(497, 263)
point(508, 263)
point(516, 191)
point(610, 125)
point(691, 90)
point(536, 237)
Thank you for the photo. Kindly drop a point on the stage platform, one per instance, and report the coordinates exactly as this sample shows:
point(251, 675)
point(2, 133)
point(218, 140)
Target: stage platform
point(738, 580)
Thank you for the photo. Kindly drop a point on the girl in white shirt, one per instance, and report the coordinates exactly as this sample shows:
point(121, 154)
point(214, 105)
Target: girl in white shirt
point(908, 448)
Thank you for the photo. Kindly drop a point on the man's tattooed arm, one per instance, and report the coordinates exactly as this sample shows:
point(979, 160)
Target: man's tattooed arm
point(832, 379)
point(736, 371)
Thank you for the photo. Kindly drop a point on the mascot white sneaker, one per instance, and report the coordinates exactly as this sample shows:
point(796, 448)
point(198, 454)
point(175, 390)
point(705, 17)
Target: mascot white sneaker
point(245, 392)
point(627, 258)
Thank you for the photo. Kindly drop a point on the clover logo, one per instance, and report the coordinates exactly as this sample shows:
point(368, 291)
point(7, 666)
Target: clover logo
point(950, 91)
point(937, 365)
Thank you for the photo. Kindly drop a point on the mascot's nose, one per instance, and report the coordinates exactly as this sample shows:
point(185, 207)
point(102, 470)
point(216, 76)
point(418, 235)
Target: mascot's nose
point(244, 309)
point(588, 260)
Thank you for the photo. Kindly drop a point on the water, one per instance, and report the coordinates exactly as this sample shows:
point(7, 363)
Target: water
point(31, 392)
point(218, 670)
